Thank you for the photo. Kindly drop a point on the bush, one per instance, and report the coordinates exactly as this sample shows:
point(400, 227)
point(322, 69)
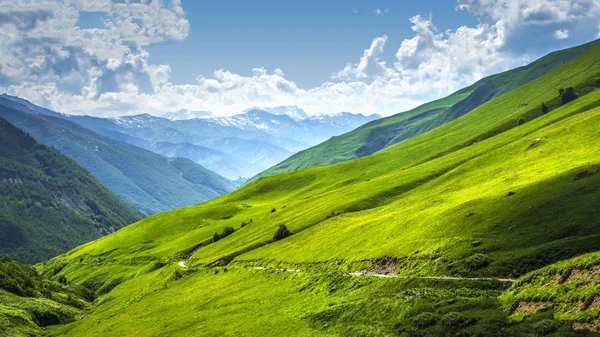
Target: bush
point(226, 232)
point(425, 319)
point(598, 83)
point(521, 121)
point(545, 326)
point(282, 233)
point(216, 237)
point(62, 280)
point(477, 261)
point(545, 108)
point(453, 320)
point(568, 95)
point(273, 210)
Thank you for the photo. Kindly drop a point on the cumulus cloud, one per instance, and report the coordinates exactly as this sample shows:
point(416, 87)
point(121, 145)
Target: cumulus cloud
point(47, 58)
point(561, 34)
point(369, 66)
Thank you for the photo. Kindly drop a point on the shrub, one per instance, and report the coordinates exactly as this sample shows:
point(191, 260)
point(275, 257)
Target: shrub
point(477, 261)
point(545, 108)
point(598, 83)
point(226, 232)
point(216, 237)
point(273, 210)
point(425, 319)
point(521, 121)
point(282, 233)
point(568, 95)
point(62, 280)
point(545, 326)
point(453, 319)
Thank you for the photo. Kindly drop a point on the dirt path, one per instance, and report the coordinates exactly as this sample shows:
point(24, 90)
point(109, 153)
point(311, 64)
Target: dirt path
point(363, 273)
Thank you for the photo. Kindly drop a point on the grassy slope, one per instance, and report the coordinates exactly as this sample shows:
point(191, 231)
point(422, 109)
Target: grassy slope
point(421, 202)
point(29, 302)
point(148, 181)
point(386, 132)
point(48, 203)
point(568, 288)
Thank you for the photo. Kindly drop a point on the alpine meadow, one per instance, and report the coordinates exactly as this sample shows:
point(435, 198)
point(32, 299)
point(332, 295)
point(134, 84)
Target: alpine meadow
point(449, 190)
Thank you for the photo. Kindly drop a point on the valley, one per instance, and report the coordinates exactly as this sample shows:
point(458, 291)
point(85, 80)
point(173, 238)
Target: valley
point(460, 217)
point(181, 168)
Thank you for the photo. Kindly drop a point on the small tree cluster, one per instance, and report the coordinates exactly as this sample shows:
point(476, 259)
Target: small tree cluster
point(226, 232)
point(281, 233)
point(598, 83)
point(545, 108)
point(567, 95)
point(244, 223)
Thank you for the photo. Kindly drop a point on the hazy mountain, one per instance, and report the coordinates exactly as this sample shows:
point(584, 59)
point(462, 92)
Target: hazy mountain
point(149, 181)
point(48, 203)
point(186, 114)
point(259, 138)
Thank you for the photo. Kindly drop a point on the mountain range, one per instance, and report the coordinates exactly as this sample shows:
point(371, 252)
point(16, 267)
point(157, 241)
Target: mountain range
point(474, 215)
point(239, 146)
point(476, 227)
point(148, 181)
point(48, 203)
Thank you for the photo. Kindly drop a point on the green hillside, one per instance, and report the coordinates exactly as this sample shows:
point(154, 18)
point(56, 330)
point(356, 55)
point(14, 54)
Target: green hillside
point(421, 239)
point(385, 132)
point(146, 180)
point(30, 302)
point(48, 203)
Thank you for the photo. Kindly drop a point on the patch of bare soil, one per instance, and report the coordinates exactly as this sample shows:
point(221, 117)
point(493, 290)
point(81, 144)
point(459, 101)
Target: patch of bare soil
point(384, 266)
point(585, 326)
point(591, 275)
point(528, 307)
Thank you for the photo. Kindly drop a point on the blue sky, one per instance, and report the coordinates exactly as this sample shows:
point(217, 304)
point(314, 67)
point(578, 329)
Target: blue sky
point(308, 40)
point(123, 57)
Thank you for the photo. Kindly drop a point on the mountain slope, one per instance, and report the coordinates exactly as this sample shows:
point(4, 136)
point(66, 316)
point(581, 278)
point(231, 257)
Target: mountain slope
point(499, 192)
point(148, 181)
point(385, 132)
point(49, 204)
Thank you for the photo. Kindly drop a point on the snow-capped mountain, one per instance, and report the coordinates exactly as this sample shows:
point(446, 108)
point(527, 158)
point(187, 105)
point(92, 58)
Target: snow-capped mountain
point(187, 114)
point(293, 112)
point(238, 146)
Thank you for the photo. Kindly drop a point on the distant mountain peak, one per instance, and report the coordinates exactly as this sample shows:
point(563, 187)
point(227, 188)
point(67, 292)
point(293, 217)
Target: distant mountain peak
point(292, 111)
point(184, 114)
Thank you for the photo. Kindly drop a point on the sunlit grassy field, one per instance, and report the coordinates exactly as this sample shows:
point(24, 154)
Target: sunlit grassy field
point(485, 195)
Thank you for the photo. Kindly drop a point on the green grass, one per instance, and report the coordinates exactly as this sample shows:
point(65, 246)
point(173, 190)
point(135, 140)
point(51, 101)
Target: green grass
point(385, 132)
point(419, 204)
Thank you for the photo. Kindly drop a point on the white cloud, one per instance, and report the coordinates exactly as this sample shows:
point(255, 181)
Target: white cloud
point(105, 71)
point(379, 12)
point(354, 10)
point(369, 66)
point(561, 34)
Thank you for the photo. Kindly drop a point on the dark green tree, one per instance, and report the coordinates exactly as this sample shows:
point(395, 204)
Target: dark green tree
point(282, 233)
point(545, 108)
point(568, 95)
